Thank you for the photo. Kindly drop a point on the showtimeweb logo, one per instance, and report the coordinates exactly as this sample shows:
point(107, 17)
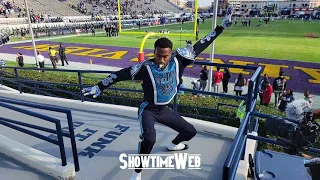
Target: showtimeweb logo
point(160, 161)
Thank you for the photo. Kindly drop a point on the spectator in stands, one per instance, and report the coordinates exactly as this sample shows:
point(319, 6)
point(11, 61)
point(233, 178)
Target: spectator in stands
point(52, 54)
point(217, 78)
point(238, 84)
point(62, 54)
point(285, 98)
point(307, 96)
point(267, 94)
point(225, 79)
point(40, 60)
point(203, 78)
point(20, 60)
point(279, 85)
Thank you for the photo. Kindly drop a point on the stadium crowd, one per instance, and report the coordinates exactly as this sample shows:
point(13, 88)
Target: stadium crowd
point(110, 7)
point(7, 9)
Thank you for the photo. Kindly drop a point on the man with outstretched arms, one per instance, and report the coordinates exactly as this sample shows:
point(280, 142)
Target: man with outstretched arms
point(161, 78)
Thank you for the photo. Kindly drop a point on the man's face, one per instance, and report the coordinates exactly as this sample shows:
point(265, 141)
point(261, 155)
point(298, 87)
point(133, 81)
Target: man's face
point(162, 56)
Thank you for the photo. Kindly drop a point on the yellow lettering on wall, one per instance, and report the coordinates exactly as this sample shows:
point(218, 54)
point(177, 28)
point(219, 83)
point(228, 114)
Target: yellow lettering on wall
point(238, 70)
point(273, 70)
point(89, 52)
point(147, 56)
point(72, 49)
point(314, 73)
point(218, 61)
point(111, 55)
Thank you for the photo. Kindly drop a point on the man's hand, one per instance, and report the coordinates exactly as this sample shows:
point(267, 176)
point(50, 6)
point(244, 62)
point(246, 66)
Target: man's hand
point(227, 21)
point(95, 91)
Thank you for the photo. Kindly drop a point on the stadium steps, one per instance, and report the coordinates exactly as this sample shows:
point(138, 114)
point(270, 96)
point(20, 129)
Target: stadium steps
point(164, 6)
point(157, 5)
point(52, 7)
point(86, 4)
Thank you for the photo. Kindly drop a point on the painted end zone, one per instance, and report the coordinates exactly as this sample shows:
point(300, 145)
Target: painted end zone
point(36, 159)
point(300, 75)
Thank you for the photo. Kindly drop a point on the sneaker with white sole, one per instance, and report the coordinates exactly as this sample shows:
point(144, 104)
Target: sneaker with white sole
point(177, 147)
point(135, 176)
point(227, 21)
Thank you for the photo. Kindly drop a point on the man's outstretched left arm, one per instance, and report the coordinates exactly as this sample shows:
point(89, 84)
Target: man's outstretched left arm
point(207, 40)
point(189, 53)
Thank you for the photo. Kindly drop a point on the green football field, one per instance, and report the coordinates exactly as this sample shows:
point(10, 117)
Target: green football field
point(276, 40)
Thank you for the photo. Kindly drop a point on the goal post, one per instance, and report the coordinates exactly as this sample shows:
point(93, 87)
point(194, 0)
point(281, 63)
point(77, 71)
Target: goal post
point(133, 32)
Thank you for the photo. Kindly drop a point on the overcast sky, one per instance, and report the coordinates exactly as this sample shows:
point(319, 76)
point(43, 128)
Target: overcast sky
point(205, 2)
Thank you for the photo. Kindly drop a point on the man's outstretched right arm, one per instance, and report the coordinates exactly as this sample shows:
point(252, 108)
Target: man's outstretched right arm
point(130, 73)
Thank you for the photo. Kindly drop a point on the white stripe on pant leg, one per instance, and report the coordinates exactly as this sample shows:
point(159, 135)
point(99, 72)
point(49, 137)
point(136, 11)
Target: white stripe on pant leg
point(142, 106)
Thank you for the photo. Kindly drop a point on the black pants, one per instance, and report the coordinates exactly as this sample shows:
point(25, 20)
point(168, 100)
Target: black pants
point(149, 114)
point(54, 61)
point(41, 64)
point(63, 59)
point(238, 93)
point(261, 97)
point(225, 86)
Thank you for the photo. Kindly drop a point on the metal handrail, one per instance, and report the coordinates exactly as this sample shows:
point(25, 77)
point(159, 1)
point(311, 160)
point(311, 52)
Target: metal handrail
point(49, 108)
point(58, 142)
